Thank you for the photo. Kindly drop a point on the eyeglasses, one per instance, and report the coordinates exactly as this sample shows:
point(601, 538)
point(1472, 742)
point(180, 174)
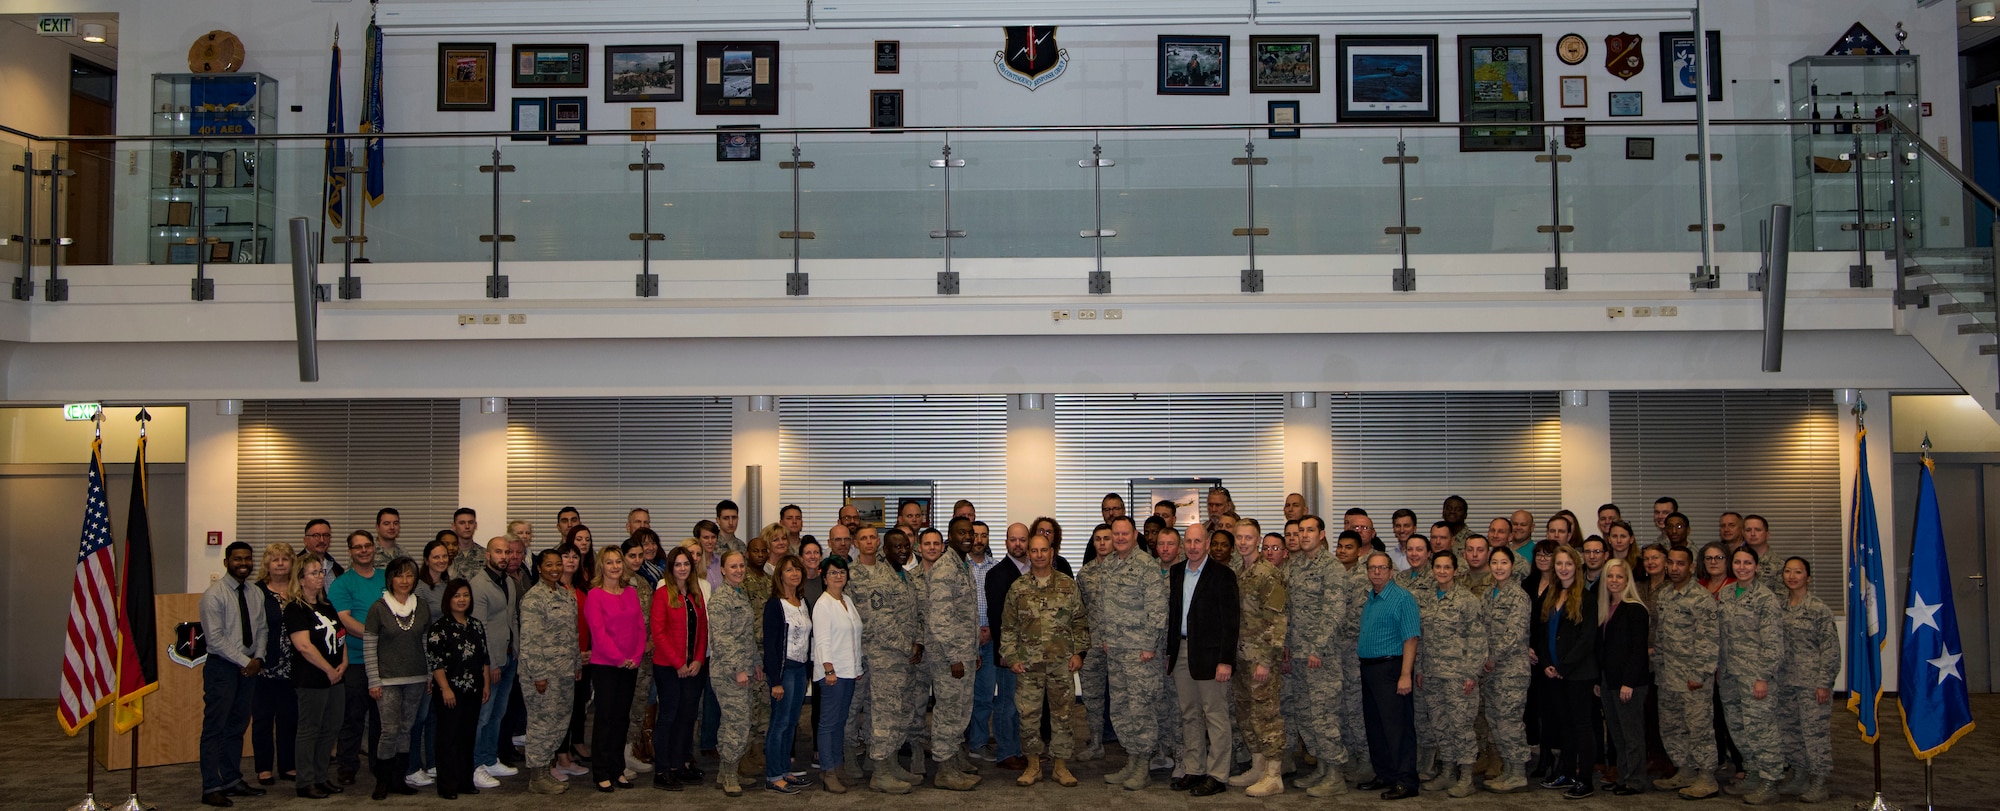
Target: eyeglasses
point(1714, 558)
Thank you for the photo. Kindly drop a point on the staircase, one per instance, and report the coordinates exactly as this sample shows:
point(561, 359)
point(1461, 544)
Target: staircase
point(1957, 324)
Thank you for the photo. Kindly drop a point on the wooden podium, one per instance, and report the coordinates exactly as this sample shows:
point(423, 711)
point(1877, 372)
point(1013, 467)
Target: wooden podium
point(171, 732)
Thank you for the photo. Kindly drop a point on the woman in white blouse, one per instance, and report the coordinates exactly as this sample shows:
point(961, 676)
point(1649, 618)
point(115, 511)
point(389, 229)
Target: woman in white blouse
point(837, 649)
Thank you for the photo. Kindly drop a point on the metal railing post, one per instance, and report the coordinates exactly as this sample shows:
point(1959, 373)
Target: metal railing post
point(1404, 278)
point(796, 282)
point(1100, 279)
point(647, 285)
point(1252, 277)
point(1555, 277)
point(496, 284)
point(947, 279)
point(24, 286)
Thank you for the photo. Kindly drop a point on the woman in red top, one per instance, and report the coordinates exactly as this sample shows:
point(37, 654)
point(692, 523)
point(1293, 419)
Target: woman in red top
point(680, 649)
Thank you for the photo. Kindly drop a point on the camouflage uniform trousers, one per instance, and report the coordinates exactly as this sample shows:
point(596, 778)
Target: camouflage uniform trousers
point(1135, 699)
point(891, 694)
point(1168, 739)
point(641, 698)
point(1291, 705)
point(1687, 725)
point(1050, 686)
point(1095, 676)
point(737, 702)
point(548, 719)
point(1503, 695)
point(1805, 725)
point(1257, 705)
point(1753, 725)
point(1446, 718)
point(1353, 727)
point(951, 711)
point(858, 729)
point(1317, 722)
point(917, 708)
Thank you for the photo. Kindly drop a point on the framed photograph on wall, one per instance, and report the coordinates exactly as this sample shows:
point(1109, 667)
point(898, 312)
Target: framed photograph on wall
point(1638, 149)
point(736, 78)
point(1677, 66)
point(1575, 91)
point(530, 116)
point(1284, 64)
point(465, 77)
point(642, 73)
point(1193, 66)
point(739, 142)
point(1627, 103)
point(551, 66)
point(1500, 80)
point(1385, 78)
point(571, 114)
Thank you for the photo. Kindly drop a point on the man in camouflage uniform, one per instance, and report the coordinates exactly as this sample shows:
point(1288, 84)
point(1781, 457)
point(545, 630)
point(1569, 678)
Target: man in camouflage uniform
point(1167, 742)
point(1317, 605)
point(1347, 554)
point(1044, 637)
point(1256, 681)
point(951, 638)
point(891, 645)
point(734, 654)
point(1686, 620)
point(1094, 679)
point(1129, 630)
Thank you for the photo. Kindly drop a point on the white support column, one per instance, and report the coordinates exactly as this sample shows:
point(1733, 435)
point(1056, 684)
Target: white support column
point(1031, 468)
point(1309, 438)
point(756, 443)
point(1586, 459)
point(482, 469)
point(211, 499)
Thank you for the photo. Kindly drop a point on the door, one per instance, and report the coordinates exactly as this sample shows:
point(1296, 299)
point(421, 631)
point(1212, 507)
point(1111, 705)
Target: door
point(1962, 492)
point(87, 214)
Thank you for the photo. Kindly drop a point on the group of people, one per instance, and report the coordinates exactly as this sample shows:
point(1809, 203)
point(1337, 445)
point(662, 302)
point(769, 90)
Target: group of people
point(1211, 650)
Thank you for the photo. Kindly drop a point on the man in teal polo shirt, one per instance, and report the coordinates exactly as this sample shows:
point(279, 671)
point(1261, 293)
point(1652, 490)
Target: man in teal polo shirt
point(351, 594)
point(1388, 650)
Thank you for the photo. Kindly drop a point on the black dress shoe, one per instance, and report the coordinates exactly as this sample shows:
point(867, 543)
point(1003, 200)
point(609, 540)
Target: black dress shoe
point(344, 777)
point(1625, 791)
point(329, 788)
point(1186, 781)
point(690, 773)
point(289, 776)
point(605, 787)
point(666, 781)
point(312, 793)
point(447, 795)
point(217, 799)
point(267, 781)
point(1208, 787)
point(1579, 791)
point(1375, 785)
point(242, 789)
point(621, 782)
point(1559, 781)
point(1399, 793)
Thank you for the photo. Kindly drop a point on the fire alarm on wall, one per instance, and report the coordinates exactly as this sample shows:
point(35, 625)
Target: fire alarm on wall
point(215, 539)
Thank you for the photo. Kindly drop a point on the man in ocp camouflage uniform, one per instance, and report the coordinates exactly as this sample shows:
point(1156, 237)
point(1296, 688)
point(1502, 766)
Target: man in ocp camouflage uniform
point(891, 632)
point(1044, 637)
point(1317, 606)
point(1256, 681)
point(1129, 630)
point(1686, 620)
point(950, 612)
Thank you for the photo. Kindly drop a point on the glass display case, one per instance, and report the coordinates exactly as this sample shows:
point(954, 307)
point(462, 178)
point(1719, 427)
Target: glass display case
point(1831, 158)
point(213, 201)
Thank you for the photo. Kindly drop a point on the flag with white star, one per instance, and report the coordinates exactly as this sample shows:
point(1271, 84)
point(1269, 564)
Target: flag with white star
point(1931, 681)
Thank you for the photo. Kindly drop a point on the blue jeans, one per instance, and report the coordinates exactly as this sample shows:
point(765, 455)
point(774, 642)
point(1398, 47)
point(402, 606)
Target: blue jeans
point(225, 716)
point(984, 706)
point(423, 736)
point(486, 745)
point(834, 701)
point(784, 721)
point(1006, 719)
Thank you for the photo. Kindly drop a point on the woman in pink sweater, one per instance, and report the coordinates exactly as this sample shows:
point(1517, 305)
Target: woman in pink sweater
point(617, 644)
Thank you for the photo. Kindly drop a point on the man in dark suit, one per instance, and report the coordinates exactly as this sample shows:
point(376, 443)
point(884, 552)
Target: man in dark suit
point(1203, 619)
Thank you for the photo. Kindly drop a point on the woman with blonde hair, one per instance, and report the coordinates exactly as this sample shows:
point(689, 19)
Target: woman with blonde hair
point(1565, 650)
point(617, 643)
point(1623, 645)
point(319, 662)
point(274, 709)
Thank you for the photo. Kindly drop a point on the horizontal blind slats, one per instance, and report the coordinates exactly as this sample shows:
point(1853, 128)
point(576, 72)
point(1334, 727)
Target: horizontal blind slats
point(607, 455)
point(959, 441)
point(1103, 441)
point(1409, 450)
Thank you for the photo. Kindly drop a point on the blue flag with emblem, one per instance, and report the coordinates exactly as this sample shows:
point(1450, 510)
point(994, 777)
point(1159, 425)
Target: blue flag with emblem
point(1867, 618)
point(371, 111)
point(336, 148)
point(1931, 683)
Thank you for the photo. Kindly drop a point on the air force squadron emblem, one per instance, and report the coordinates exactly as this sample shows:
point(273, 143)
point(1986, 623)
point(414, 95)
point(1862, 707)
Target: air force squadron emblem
point(1031, 58)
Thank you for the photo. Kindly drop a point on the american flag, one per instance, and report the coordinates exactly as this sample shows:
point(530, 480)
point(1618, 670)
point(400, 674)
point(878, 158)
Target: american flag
point(88, 673)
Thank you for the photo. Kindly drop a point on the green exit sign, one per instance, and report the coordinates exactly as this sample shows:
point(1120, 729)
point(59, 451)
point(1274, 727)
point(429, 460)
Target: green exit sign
point(56, 26)
point(77, 412)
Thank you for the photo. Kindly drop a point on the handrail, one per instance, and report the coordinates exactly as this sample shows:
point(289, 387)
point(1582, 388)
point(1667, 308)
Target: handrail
point(1078, 128)
point(1937, 158)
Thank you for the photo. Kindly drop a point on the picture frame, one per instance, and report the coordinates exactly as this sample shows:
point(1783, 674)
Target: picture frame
point(1575, 91)
point(1638, 149)
point(182, 253)
point(635, 73)
point(180, 212)
point(1284, 63)
point(1192, 66)
point(1677, 66)
point(735, 142)
point(221, 251)
point(571, 114)
point(530, 116)
point(250, 252)
point(551, 66)
point(1386, 78)
point(465, 77)
point(888, 56)
point(1282, 112)
point(871, 510)
point(214, 215)
point(885, 109)
point(1627, 103)
point(737, 77)
point(1500, 80)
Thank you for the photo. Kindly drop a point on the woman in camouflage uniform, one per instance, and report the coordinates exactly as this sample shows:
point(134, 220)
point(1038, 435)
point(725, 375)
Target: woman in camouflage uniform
point(1805, 685)
point(734, 646)
point(1504, 691)
point(1453, 652)
point(1753, 643)
point(549, 668)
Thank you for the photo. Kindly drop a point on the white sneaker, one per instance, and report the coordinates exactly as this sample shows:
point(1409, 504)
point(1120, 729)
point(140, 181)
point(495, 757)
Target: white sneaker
point(418, 779)
point(483, 780)
point(1162, 763)
point(634, 764)
point(520, 740)
point(498, 769)
point(431, 772)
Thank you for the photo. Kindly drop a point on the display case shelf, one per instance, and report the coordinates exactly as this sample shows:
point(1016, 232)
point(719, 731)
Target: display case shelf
point(1861, 88)
point(209, 197)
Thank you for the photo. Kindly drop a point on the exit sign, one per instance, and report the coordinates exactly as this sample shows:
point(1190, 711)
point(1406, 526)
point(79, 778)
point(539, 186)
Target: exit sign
point(56, 26)
point(78, 412)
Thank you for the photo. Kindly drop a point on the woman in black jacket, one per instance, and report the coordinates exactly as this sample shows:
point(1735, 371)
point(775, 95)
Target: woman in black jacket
point(1625, 636)
point(1565, 643)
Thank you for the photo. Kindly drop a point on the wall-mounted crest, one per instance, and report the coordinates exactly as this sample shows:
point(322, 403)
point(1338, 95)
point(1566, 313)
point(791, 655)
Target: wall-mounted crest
point(1030, 57)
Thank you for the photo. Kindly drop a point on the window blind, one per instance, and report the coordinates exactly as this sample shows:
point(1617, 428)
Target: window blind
point(607, 455)
point(1772, 453)
point(1103, 441)
point(959, 441)
point(342, 460)
point(1500, 451)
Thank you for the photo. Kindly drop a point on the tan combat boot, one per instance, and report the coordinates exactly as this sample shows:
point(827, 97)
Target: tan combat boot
point(1270, 782)
point(1250, 775)
point(1033, 773)
point(885, 780)
point(1462, 787)
point(1703, 786)
point(1679, 779)
point(726, 775)
point(1511, 779)
point(1334, 784)
point(951, 779)
point(1443, 779)
point(1062, 775)
point(1815, 790)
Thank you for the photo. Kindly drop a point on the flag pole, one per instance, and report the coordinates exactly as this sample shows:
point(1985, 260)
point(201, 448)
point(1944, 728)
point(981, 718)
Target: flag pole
point(90, 749)
point(134, 803)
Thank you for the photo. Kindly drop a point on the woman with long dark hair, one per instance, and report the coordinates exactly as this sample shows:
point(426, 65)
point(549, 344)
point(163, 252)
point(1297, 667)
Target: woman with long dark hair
point(398, 672)
point(433, 574)
point(1565, 644)
point(1504, 690)
point(680, 659)
point(458, 659)
point(788, 661)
